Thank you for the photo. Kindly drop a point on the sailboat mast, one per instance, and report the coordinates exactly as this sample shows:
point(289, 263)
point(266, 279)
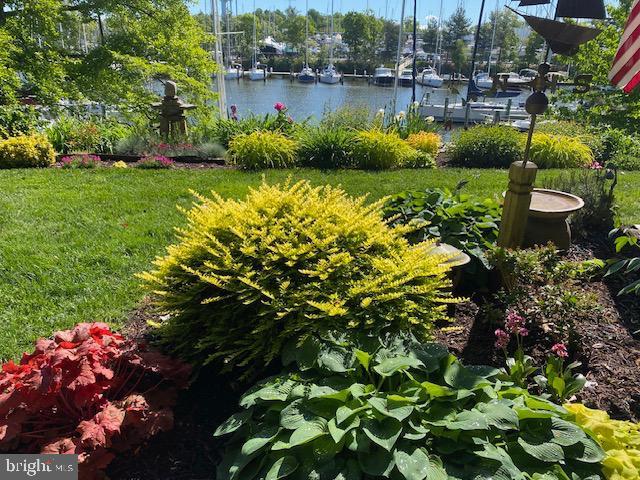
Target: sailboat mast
point(306, 37)
point(439, 40)
point(398, 55)
point(475, 48)
point(331, 37)
point(493, 36)
point(255, 36)
point(228, 12)
point(222, 91)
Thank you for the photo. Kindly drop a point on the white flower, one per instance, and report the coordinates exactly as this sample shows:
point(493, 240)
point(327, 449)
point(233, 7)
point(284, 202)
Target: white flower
point(430, 119)
point(402, 114)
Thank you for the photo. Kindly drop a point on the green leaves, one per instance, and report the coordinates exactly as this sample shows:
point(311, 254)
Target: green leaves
point(401, 411)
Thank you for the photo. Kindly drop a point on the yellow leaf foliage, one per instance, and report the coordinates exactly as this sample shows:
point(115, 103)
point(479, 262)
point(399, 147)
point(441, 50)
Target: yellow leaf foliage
point(26, 151)
point(427, 142)
point(289, 261)
point(621, 441)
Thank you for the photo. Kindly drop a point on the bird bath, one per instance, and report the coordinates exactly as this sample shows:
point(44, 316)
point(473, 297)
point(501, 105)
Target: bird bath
point(548, 218)
point(457, 259)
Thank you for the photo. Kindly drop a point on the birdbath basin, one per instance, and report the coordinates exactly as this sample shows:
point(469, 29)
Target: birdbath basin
point(548, 218)
point(457, 258)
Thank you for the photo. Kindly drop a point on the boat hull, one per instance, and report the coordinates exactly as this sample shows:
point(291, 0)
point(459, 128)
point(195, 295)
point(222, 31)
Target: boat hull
point(329, 79)
point(431, 82)
point(306, 78)
point(385, 81)
point(405, 82)
point(258, 75)
point(477, 114)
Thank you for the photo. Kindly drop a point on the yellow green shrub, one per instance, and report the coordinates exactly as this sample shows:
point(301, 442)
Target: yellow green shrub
point(427, 142)
point(288, 262)
point(377, 150)
point(26, 152)
point(621, 441)
point(262, 149)
point(560, 151)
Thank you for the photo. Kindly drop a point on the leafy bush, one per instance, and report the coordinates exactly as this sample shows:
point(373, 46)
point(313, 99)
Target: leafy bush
point(420, 159)
point(377, 150)
point(548, 291)
point(18, 120)
point(155, 162)
point(619, 439)
point(600, 143)
point(327, 148)
point(80, 161)
point(558, 151)
point(486, 147)
point(289, 261)
point(629, 264)
point(87, 392)
point(626, 161)
point(451, 217)
point(597, 191)
point(397, 409)
point(262, 149)
point(26, 152)
point(347, 116)
point(428, 142)
point(225, 130)
point(71, 134)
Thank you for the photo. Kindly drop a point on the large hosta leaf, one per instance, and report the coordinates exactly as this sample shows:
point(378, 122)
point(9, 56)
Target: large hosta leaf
point(392, 409)
point(384, 432)
point(282, 468)
point(233, 423)
point(390, 366)
point(259, 440)
point(308, 432)
point(296, 414)
point(499, 414)
point(418, 466)
point(541, 450)
point(376, 463)
point(458, 376)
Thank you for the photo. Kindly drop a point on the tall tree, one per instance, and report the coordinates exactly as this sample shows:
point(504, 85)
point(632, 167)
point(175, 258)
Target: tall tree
point(459, 55)
point(391, 31)
point(430, 35)
point(456, 28)
point(362, 33)
point(134, 42)
point(532, 56)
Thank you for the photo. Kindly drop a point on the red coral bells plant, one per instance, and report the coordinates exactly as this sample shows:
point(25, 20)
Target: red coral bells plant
point(88, 392)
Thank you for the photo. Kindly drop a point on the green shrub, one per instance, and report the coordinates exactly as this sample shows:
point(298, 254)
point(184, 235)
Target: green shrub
point(599, 212)
point(420, 159)
point(262, 149)
point(559, 151)
point(287, 262)
point(225, 130)
point(18, 120)
point(26, 152)
point(598, 141)
point(71, 134)
point(348, 116)
point(377, 150)
point(327, 148)
point(628, 162)
point(451, 217)
point(397, 409)
point(428, 142)
point(486, 147)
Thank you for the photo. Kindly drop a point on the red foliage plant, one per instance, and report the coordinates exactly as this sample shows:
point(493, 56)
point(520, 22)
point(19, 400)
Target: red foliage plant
point(88, 392)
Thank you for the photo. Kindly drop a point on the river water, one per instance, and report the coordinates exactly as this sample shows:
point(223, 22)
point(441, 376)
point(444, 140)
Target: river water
point(311, 100)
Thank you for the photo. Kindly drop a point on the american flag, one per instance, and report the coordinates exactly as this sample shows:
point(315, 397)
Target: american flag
point(625, 73)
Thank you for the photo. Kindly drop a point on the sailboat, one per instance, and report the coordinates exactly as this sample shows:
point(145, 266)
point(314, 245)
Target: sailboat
point(329, 74)
point(232, 71)
point(258, 71)
point(307, 74)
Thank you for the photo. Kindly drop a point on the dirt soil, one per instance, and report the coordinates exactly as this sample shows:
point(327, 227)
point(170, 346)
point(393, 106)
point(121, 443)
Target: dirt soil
point(609, 348)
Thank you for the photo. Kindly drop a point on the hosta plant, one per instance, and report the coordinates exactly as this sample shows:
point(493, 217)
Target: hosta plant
point(262, 149)
point(287, 262)
point(397, 409)
point(88, 392)
point(619, 439)
point(559, 151)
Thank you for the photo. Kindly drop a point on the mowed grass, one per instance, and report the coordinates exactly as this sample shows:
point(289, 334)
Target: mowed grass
point(72, 241)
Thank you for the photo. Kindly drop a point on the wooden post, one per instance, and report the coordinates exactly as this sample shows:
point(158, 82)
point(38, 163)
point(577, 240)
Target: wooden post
point(509, 103)
point(446, 110)
point(516, 204)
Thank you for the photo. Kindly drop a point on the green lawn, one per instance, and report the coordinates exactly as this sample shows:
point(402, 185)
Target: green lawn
point(71, 241)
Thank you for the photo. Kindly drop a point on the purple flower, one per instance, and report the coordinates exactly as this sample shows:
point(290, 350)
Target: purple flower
point(560, 350)
point(502, 338)
point(595, 166)
point(515, 323)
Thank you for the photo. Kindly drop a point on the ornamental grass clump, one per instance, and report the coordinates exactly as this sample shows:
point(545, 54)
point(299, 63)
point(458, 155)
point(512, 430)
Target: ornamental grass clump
point(377, 150)
point(492, 146)
point(427, 142)
point(559, 151)
point(262, 149)
point(287, 262)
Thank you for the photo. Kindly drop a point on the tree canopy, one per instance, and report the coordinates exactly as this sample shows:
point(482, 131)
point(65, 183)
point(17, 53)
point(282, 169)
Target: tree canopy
point(101, 50)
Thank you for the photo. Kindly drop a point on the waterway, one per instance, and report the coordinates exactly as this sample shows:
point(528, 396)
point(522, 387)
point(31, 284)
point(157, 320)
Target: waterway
point(311, 100)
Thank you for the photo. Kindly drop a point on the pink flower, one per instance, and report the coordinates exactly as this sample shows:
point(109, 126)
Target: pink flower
point(279, 106)
point(502, 338)
point(560, 350)
point(515, 323)
point(523, 332)
point(595, 166)
point(234, 108)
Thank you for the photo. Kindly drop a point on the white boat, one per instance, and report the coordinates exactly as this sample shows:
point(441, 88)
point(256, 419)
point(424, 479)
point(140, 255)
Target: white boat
point(258, 73)
point(484, 81)
point(479, 112)
point(233, 72)
point(307, 75)
point(383, 77)
point(430, 78)
point(329, 74)
point(406, 78)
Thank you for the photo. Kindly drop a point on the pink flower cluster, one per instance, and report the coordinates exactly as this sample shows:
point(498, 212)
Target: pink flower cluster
point(280, 107)
point(560, 350)
point(80, 160)
point(514, 325)
point(160, 160)
point(595, 165)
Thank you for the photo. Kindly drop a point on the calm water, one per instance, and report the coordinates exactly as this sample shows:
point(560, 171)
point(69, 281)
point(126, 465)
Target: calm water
point(311, 100)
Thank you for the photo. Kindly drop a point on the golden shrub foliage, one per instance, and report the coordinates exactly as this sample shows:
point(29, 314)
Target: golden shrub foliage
point(263, 149)
point(621, 441)
point(378, 150)
point(287, 262)
point(427, 142)
point(560, 151)
point(26, 152)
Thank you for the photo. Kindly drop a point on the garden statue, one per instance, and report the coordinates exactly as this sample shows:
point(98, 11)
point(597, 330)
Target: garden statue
point(173, 120)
